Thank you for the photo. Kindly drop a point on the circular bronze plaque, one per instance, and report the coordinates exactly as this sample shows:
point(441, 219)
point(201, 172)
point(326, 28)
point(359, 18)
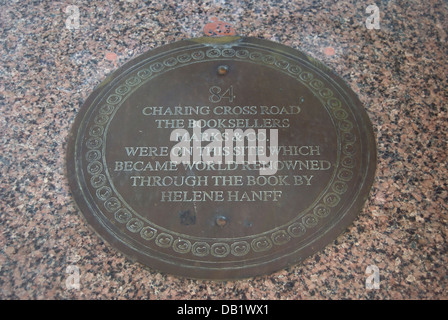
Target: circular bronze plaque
point(221, 158)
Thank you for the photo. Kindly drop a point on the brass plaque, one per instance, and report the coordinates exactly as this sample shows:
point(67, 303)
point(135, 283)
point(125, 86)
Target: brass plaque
point(221, 158)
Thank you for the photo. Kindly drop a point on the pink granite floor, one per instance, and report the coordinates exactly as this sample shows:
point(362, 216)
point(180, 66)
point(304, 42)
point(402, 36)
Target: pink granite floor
point(399, 72)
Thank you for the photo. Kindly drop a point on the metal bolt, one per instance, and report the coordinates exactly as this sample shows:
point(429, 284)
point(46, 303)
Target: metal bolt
point(223, 70)
point(221, 221)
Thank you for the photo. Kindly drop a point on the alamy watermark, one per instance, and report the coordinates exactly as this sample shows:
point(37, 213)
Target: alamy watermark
point(72, 281)
point(74, 274)
point(221, 148)
point(373, 279)
point(72, 21)
point(373, 21)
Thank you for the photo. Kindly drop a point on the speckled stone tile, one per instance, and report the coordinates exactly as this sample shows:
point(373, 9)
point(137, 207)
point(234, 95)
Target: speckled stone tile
point(400, 73)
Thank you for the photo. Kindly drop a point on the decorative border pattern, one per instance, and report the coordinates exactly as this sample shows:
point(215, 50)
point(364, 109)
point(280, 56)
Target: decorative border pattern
point(263, 243)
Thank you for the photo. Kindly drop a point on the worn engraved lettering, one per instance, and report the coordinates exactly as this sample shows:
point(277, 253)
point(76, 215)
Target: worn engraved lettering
point(139, 166)
point(191, 196)
point(168, 181)
point(146, 151)
point(263, 195)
